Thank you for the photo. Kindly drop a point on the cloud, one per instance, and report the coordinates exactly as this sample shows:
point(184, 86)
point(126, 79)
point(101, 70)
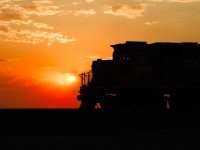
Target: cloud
point(42, 25)
point(85, 12)
point(89, 1)
point(10, 16)
point(7, 73)
point(184, 1)
point(95, 57)
point(4, 29)
point(46, 2)
point(11, 79)
point(3, 59)
point(6, 79)
point(34, 37)
point(3, 24)
point(13, 18)
point(150, 0)
point(8, 60)
point(155, 0)
point(41, 10)
point(75, 3)
point(108, 58)
point(92, 57)
point(151, 23)
point(48, 67)
point(129, 11)
point(15, 14)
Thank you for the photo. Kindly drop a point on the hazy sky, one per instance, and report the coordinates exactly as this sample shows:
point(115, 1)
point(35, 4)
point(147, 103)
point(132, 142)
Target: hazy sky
point(45, 44)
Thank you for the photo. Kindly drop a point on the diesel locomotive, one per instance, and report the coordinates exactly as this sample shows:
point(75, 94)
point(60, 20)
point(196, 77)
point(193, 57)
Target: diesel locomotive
point(155, 76)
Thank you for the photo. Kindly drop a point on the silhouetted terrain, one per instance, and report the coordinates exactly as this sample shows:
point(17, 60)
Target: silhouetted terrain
point(127, 129)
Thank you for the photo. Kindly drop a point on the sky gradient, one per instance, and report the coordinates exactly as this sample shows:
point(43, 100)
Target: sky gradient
point(46, 44)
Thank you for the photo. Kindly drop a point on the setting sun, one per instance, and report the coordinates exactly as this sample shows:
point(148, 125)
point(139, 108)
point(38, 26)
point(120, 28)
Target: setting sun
point(70, 78)
point(61, 79)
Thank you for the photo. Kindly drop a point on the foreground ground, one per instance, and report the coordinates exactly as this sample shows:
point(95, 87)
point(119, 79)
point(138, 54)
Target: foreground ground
point(119, 129)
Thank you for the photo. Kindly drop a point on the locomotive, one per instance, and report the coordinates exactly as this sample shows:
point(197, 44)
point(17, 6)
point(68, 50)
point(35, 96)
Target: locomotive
point(143, 76)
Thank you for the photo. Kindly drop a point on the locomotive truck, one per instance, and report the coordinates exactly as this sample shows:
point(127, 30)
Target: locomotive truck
point(142, 76)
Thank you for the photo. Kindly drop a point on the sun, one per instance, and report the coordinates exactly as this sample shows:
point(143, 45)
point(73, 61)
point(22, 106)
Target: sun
point(70, 78)
point(62, 79)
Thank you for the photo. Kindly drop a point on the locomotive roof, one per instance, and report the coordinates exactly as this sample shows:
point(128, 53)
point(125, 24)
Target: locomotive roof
point(161, 43)
point(131, 43)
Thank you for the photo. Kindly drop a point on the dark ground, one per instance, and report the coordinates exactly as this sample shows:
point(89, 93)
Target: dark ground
point(74, 129)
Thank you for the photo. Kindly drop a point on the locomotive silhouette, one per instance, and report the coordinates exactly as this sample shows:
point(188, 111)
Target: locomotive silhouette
point(142, 76)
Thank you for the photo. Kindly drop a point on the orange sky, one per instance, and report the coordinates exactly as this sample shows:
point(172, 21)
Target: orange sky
point(44, 44)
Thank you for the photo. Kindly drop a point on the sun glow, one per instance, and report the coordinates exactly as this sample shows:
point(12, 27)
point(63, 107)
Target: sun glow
point(70, 78)
point(63, 79)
